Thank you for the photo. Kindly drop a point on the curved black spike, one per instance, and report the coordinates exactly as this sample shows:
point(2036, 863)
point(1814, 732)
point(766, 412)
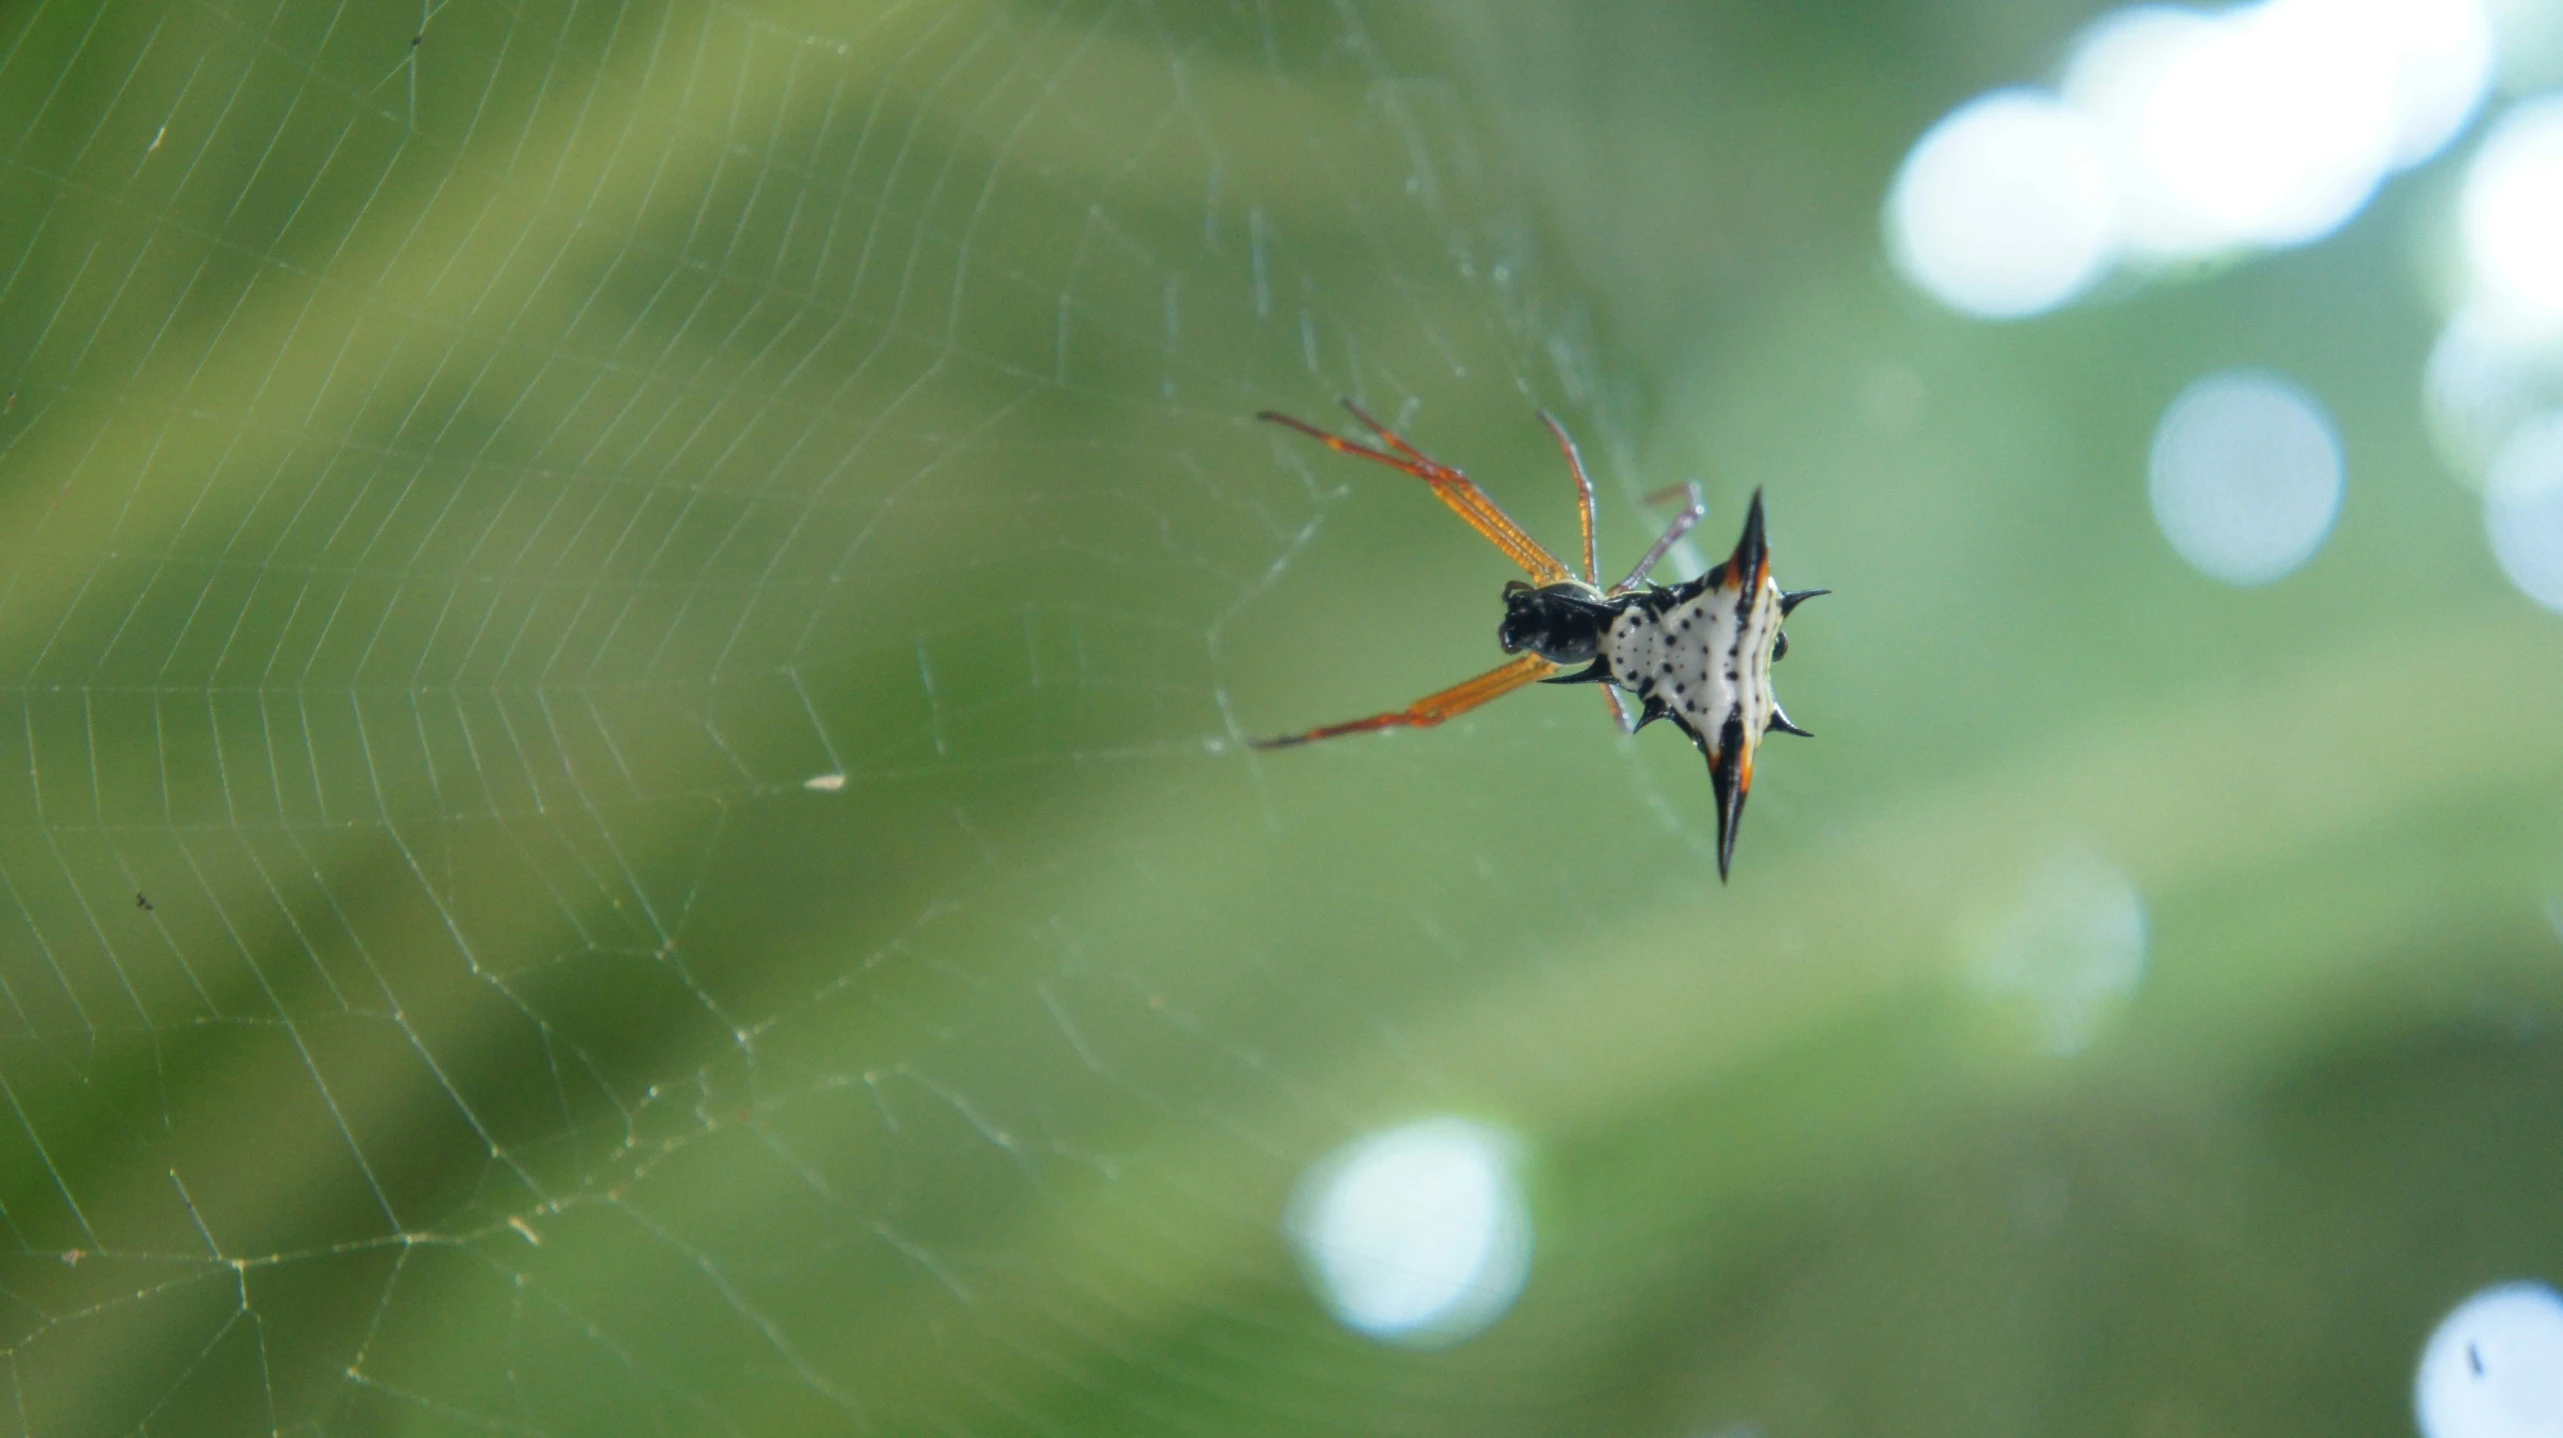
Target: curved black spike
point(1791, 599)
point(1781, 722)
point(1655, 709)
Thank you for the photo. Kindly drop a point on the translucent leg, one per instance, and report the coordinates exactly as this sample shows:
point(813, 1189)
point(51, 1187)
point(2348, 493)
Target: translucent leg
point(1619, 711)
point(1693, 513)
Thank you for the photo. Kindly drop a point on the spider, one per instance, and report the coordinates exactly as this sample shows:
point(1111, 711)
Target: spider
point(1697, 653)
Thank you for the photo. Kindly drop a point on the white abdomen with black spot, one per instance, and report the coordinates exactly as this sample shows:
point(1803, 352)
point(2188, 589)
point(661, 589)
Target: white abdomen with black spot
point(1704, 659)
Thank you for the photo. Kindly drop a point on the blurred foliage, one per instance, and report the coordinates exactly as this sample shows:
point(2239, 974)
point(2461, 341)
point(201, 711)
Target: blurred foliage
point(465, 470)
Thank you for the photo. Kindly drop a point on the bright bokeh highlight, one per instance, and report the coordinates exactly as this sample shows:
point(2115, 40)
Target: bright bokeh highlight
point(2523, 509)
point(2117, 76)
point(1417, 1235)
point(2494, 1367)
point(2005, 208)
point(2513, 210)
point(2444, 54)
point(2276, 123)
point(2183, 133)
point(2245, 476)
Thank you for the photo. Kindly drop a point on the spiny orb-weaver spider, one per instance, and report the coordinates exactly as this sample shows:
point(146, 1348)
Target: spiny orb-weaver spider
point(1697, 653)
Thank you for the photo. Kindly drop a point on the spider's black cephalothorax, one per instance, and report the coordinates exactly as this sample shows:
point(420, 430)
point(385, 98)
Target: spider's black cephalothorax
point(1563, 623)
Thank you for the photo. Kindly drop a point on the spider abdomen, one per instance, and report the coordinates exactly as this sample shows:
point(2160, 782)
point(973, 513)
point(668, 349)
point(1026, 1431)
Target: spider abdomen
point(1695, 655)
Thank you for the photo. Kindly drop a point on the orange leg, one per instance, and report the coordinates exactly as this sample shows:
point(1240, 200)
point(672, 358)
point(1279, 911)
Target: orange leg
point(1592, 559)
point(1455, 489)
point(1583, 497)
point(1432, 709)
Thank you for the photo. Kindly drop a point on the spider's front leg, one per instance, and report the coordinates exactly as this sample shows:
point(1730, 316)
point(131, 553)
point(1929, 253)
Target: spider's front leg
point(1452, 487)
point(1433, 709)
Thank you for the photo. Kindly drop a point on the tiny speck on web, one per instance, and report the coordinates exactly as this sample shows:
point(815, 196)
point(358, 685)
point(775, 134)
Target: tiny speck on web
point(824, 783)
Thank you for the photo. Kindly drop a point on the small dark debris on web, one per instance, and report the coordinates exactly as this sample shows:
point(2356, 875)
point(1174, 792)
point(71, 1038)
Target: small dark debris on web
point(142, 901)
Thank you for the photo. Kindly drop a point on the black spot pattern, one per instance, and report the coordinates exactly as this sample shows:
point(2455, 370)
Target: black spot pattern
point(1683, 651)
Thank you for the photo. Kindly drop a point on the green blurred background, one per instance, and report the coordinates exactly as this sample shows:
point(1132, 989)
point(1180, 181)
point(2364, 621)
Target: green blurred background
point(467, 471)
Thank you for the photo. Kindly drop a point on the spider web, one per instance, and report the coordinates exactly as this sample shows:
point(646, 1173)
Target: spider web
point(626, 635)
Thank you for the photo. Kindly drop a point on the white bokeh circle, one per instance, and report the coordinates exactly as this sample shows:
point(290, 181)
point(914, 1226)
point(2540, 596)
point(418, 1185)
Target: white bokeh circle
point(1417, 1235)
point(2245, 476)
point(2494, 1367)
point(2005, 208)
